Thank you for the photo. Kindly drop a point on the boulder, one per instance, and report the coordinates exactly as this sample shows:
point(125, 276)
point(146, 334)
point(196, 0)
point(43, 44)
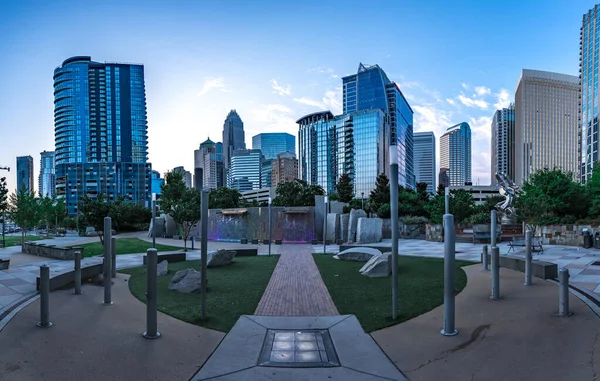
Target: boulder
point(344, 220)
point(379, 266)
point(186, 281)
point(333, 227)
point(369, 230)
point(358, 254)
point(162, 268)
point(220, 257)
point(355, 214)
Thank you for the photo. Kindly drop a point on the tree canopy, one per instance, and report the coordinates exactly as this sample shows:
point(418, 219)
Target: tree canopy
point(225, 198)
point(344, 188)
point(23, 210)
point(297, 193)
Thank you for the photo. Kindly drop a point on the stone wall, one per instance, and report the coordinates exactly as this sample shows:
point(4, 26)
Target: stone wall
point(434, 233)
point(569, 235)
point(50, 251)
point(333, 227)
point(369, 230)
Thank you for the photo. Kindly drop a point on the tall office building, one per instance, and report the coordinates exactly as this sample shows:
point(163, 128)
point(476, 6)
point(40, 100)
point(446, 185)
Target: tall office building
point(503, 143)
point(455, 155)
point(273, 143)
point(546, 124)
point(370, 88)
point(245, 169)
point(233, 136)
point(589, 100)
point(47, 177)
point(100, 130)
point(187, 176)
point(424, 159)
point(209, 171)
point(25, 173)
point(266, 172)
point(285, 168)
point(157, 181)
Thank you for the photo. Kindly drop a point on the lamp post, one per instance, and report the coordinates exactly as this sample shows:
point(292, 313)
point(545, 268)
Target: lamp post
point(362, 198)
point(270, 240)
point(325, 227)
point(153, 220)
point(394, 216)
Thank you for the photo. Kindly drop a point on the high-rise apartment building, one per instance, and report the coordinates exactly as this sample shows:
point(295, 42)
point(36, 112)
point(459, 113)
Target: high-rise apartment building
point(25, 173)
point(209, 172)
point(187, 175)
point(245, 169)
point(100, 129)
point(503, 143)
point(589, 99)
point(233, 136)
point(455, 155)
point(47, 177)
point(370, 88)
point(285, 168)
point(273, 143)
point(424, 159)
point(546, 124)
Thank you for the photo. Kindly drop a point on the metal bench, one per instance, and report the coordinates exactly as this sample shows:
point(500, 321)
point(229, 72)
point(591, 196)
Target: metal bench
point(536, 245)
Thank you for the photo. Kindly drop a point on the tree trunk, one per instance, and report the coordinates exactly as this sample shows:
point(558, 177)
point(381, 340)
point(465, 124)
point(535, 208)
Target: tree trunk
point(22, 237)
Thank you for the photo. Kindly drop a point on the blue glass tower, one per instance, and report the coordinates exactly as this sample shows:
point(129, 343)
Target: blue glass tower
point(272, 144)
point(100, 128)
point(25, 173)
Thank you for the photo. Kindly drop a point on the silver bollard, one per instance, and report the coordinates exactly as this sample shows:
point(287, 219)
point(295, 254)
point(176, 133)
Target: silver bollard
point(528, 258)
point(44, 297)
point(495, 273)
point(113, 250)
point(204, 251)
point(447, 200)
point(494, 221)
point(484, 258)
point(563, 292)
point(107, 260)
point(449, 262)
point(151, 295)
point(77, 274)
point(394, 214)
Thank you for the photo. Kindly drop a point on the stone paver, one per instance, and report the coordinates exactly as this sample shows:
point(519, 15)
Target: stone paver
point(296, 287)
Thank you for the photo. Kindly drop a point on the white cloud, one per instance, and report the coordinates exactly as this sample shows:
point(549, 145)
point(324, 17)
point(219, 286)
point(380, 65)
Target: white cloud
point(309, 102)
point(332, 99)
point(451, 101)
point(431, 118)
point(280, 89)
point(503, 99)
point(481, 127)
point(465, 86)
point(211, 83)
point(482, 90)
point(471, 102)
point(273, 117)
point(323, 70)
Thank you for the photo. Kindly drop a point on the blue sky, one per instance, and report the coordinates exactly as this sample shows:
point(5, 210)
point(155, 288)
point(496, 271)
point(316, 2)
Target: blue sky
point(275, 61)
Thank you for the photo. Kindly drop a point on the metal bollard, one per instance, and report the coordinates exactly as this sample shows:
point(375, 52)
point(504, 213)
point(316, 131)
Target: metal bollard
point(494, 221)
point(151, 295)
point(113, 250)
point(107, 260)
point(563, 292)
point(44, 297)
point(495, 273)
point(203, 251)
point(484, 259)
point(449, 261)
point(528, 258)
point(77, 273)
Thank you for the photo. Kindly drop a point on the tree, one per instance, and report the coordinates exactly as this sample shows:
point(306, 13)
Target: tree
point(344, 188)
point(3, 206)
point(297, 193)
point(461, 206)
point(23, 210)
point(171, 190)
point(225, 198)
point(411, 203)
point(186, 212)
point(380, 194)
point(422, 191)
point(59, 212)
point(92, 213)
point(46, 210)
point(593, 190)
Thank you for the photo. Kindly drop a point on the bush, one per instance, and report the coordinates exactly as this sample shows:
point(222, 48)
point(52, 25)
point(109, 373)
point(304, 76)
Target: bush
point(480, 218)
point(346, 209)
point(414, 220)
point(384, 211)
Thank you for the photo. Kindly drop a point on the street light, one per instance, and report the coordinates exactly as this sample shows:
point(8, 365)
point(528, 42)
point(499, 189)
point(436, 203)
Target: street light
point(325, 228)
point(362, 198)
point(394, 216)
point(270, 240)
point(153, 220)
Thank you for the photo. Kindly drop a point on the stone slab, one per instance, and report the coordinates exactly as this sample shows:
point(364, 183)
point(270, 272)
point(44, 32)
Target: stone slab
point(379, 266)
point(344, 222)
point(369, 230)
point(61, 280)
point(333, 227)
point(358, 254)
point(355, 214)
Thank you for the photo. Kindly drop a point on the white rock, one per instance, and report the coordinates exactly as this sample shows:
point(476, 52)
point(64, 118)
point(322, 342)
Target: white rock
point(186, 281)
point(220, 257)
point(162, 268)
point(379, 266)
point(358, 254)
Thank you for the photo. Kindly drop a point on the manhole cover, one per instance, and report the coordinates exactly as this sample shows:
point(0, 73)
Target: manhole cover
point(298, 349)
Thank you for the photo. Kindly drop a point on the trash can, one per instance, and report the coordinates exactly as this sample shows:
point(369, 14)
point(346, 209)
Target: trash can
point(588, 241)
point(597, 240)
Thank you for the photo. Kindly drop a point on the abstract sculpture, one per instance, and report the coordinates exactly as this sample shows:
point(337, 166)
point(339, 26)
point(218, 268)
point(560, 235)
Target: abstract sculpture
point(509, 190)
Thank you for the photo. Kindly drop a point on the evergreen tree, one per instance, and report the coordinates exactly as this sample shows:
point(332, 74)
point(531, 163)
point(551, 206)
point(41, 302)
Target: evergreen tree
point(345, 188)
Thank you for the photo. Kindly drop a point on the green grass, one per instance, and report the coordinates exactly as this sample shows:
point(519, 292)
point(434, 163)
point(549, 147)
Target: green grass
point(234, 290)
point(420, 289)
point(124, 246)
point(16, 240)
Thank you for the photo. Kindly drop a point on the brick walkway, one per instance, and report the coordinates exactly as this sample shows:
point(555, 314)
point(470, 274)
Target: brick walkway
point(296, 287)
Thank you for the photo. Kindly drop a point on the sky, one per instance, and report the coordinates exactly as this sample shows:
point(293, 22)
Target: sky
point(275, 61)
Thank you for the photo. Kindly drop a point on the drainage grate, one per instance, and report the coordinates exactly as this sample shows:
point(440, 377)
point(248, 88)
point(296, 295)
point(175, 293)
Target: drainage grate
point(298, 349)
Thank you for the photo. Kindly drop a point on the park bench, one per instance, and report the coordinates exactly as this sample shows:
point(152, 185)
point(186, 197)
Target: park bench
point(536, 245)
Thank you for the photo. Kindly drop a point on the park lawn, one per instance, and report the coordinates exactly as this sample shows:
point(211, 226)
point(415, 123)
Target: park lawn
point(125, 246)
point(16, 240)
point(420, 289)
point(233, 290)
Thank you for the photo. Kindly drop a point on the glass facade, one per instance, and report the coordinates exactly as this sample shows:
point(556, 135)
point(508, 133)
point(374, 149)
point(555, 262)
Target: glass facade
point(100, 119)
point(424, 157)
point(25, 173)
point(208, 166)
point(266, 172)
point(503, 143)
point(455, 155)
point(272, 144)
point(245, 170)
point(47, 177)
point(233, 136)
point(157, 181)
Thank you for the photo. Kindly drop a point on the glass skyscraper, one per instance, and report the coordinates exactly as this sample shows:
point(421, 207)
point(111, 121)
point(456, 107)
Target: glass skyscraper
point(274, 143)
point(455, 155)
point(503, 143)
point(25, 173)
point(100, 129)
point(245, 169)
point(47, 177)
point(209, 172)
point(233, 136)
point(424, 158)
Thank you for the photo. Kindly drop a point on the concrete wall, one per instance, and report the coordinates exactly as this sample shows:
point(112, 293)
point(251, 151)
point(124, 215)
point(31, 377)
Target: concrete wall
point(50, 251)
point(570, 235)
point(434, 233)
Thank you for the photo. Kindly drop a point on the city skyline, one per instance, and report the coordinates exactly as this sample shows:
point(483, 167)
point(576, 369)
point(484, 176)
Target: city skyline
point(190, 90)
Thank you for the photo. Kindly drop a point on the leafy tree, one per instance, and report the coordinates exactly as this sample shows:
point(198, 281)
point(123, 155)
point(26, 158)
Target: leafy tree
point(46, 210)
point(59, 212)
point(422, 191)
point(411, 203)
point(593, 189)
point(344, 188)
point(481, 212)
point(186, 212)
point(171, 190)
point(3, 205)
point(297, 193)
point(381, 194)
point(69, 223)
point(441, 190)
point(23, 210)
point(461, 206)
point(334, 196)
point(92, 213)
point(384, 211)
point(225, 198)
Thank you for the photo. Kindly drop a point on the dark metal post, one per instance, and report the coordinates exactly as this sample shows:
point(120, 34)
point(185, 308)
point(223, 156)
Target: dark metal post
point(484, 259)
point(447, 200)
point(495, 273)
point(493, 229)
point(325, 226)
point(270, 222)
point(107, 260)
point(563, 292)
point(44, 297)
point(528, 258)
point(204, 249)
point(153, 220)
point(151, 295)
point(77, 273)
point(449, 261)
point(113, 262)
point(394, 215)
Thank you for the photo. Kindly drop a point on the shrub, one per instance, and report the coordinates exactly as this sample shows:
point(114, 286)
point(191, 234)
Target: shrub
point(384, 211)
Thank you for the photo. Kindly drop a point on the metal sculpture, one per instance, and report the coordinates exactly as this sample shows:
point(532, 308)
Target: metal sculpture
point(509, 190)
